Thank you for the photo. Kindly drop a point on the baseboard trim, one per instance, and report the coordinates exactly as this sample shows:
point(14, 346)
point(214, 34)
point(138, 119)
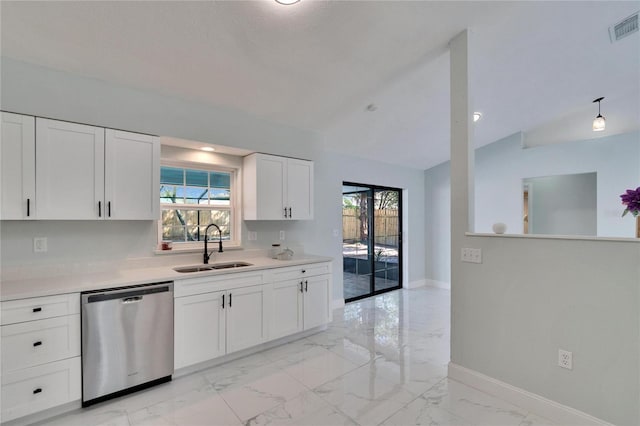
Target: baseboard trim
point(337, 304)
point(438, 284)
point(416, 284)
point(542, 406)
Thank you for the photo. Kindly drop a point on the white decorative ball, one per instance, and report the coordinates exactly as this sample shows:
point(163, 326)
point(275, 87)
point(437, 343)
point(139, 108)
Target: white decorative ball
point(499, 228)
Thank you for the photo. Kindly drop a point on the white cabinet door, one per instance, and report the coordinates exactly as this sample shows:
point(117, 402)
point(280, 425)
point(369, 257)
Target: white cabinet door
point(132, 176)
point(69, 170)
point(18, 171)
point(317, 298)
point(286, 308)
point(299, 189)
point(246, 325)
point(199, 328)
point(264, 187)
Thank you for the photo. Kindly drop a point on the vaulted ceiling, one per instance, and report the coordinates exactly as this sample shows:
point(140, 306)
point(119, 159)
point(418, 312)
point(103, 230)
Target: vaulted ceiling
point(317, 64)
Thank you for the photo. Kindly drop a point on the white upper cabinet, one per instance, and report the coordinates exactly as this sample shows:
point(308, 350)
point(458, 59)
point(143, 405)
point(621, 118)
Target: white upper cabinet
point(300, 189)
point(85, 172)
point(277, 188)
point(18, 156)
point(69, 170)
point(132, 181)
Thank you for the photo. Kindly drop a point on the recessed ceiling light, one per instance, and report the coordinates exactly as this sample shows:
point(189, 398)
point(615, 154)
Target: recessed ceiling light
point(207, 148)
point(476, 116)
point(287, 2)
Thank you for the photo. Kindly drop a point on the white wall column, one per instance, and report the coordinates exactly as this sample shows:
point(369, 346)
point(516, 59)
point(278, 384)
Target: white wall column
point(462, 161)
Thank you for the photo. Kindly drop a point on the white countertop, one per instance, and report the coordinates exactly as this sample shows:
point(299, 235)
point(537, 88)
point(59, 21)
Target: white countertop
point(119, 277)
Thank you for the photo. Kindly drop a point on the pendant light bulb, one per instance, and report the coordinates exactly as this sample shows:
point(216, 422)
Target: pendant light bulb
point(598, 122)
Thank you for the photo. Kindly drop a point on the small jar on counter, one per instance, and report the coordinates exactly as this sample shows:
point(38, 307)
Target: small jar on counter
point(274, 251)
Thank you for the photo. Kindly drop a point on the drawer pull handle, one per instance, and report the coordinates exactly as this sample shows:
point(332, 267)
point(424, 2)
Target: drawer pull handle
point(37, 310)
point(304, 271)
point(38, 343)
point(36, 391)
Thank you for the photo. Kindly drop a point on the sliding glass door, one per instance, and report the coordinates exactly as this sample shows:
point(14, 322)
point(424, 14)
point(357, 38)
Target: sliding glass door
point(371, 240)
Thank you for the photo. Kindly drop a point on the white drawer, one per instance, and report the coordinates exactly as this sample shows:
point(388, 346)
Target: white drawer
point(39, 388)
point(32, 343)
point(301, 271)
point(36, 308)
point(209, 284)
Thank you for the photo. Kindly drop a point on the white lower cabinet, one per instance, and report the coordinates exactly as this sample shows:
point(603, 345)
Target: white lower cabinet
point(41, 365)
point(228, 313)
point(210, 325)
point(317, 301)
point(37, 388)
point(199, 328)
point(301, 299)
point(246, 322)
point(287, 308)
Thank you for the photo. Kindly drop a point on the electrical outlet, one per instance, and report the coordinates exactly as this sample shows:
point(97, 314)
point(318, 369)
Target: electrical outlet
point(252, 236)
point(39, 245)
point(565, 359)
point(471, 255)
point(281, 235)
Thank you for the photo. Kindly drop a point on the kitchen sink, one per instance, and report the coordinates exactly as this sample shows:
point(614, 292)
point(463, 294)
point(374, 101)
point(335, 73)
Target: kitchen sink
point(211, 267)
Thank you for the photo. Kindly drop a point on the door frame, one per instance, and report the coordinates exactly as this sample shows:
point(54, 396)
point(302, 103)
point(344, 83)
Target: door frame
point(371, 226)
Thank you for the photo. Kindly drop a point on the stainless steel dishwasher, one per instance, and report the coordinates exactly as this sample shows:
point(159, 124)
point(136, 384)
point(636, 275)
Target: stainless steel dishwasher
point(127, 340)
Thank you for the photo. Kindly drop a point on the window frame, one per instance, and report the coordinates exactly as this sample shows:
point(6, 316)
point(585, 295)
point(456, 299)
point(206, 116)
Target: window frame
point(234, 208)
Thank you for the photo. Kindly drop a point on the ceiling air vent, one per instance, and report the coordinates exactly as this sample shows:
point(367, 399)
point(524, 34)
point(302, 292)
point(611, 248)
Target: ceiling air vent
point(624, 28)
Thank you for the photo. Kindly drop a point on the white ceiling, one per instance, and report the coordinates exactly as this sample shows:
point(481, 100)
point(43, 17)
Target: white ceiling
point(317, 64)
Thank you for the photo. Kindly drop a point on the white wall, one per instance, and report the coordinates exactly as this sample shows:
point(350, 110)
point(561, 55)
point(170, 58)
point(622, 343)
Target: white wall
point(35, 90)
point(531, 297)
point(501, 166)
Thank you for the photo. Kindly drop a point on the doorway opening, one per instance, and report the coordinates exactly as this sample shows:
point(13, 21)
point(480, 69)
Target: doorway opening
point(371, 240)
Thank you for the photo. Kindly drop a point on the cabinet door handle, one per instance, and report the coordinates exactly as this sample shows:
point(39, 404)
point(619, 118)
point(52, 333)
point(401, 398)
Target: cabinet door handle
point(223, 301)
point(109, 209)
point(28, 207)
point(306, 286)
point(230, 295)
point(285, 212)
point(301, 288)
point(37, 390)
point(38, 343)
point(290, 216)
point(36, 310)
point(99, 208)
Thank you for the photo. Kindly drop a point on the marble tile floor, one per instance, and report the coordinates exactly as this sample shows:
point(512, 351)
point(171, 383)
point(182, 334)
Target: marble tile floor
point(382, 361)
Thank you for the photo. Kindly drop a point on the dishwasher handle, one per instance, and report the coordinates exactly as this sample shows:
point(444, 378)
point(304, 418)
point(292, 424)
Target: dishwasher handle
point(127, 295)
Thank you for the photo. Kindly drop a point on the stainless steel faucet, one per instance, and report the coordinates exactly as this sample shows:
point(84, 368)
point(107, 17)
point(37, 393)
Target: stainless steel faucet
point(207, 255)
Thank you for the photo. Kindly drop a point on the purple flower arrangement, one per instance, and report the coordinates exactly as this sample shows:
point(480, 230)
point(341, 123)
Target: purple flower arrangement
point(631, 199)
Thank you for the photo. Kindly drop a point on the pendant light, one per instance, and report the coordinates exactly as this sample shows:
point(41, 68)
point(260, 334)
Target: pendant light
point(598, 122)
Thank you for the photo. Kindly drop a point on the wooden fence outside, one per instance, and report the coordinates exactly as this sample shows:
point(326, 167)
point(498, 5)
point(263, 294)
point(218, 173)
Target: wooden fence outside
point(386, 226)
